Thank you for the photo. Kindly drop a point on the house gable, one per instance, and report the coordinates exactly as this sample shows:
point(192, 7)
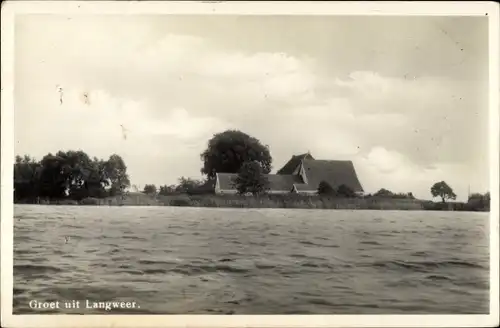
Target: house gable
point(217, 183)
point(292, 164)
point(302, 173)
point(225, 182)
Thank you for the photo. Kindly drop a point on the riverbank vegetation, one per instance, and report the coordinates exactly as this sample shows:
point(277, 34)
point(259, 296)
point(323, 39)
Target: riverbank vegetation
point(475, 204)
point(290, 201)
point(369, 202)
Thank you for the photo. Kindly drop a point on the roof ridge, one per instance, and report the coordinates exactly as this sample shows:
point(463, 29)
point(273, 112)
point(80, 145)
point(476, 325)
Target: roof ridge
point(328, 160)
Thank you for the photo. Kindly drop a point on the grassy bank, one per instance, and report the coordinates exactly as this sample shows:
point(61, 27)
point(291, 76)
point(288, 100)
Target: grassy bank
point(272, 201)
point(131, 199)
point(319, 202)
point(456, 206)
point(290, 201)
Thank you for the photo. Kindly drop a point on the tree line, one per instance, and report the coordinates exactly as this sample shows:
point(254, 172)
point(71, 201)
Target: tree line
point(184, 185)
point(69, 175)
point(75, 175)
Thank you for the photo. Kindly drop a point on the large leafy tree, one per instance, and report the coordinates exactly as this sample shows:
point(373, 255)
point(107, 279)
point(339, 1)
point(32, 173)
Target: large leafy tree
point(54, 177)
point(26, 177)
point(251, 179)
point(228, 150)
point(95, 179)
point(443, 190)
point(79, 171)
point(115, 172)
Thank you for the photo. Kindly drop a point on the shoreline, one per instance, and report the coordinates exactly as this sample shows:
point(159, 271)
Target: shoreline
point(271, 208)
point(269, 201)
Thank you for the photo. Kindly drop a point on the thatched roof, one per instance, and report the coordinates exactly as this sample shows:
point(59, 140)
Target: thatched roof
point(276, 182)
point(336, 173)
point(282, 182)
point(292, 164)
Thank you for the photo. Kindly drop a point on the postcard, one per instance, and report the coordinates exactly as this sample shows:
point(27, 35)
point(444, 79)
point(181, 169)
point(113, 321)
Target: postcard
point(249, 164)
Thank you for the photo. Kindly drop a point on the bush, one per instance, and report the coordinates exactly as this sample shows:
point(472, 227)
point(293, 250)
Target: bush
point(180, 202)
point(479, 202)
point(345, 191)
point(89, 201)
point(325, 188)
point(67, 202)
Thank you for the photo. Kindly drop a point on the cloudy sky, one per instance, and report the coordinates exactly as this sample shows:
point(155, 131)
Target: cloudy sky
point(404, 98)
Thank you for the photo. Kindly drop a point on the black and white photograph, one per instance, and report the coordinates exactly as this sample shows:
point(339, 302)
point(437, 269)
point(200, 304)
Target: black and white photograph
point(230, 163)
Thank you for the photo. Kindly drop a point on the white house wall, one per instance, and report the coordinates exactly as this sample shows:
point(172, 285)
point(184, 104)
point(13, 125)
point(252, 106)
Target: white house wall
point(227, 192)
point(278, 191)
point(217, 184)
point(308, 192)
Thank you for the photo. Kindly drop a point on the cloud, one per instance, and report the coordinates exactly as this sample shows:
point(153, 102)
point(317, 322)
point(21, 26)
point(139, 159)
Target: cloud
point(173, 91)
point(385, 161)
point(104, 125)
point(419, 117)
point(391, 170)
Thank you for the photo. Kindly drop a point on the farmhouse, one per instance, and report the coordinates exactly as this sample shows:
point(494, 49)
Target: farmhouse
point(301, 174)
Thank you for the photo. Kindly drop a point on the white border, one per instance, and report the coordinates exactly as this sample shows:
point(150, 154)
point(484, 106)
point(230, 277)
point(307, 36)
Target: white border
point(10, 8)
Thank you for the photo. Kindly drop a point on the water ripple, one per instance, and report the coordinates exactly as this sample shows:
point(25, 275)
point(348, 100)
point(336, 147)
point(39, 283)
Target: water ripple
point(232, 261)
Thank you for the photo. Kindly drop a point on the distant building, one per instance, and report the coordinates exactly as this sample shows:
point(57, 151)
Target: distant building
point(302, 174)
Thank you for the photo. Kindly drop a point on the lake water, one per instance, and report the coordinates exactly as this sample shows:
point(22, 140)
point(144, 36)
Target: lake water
point(173, 260)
